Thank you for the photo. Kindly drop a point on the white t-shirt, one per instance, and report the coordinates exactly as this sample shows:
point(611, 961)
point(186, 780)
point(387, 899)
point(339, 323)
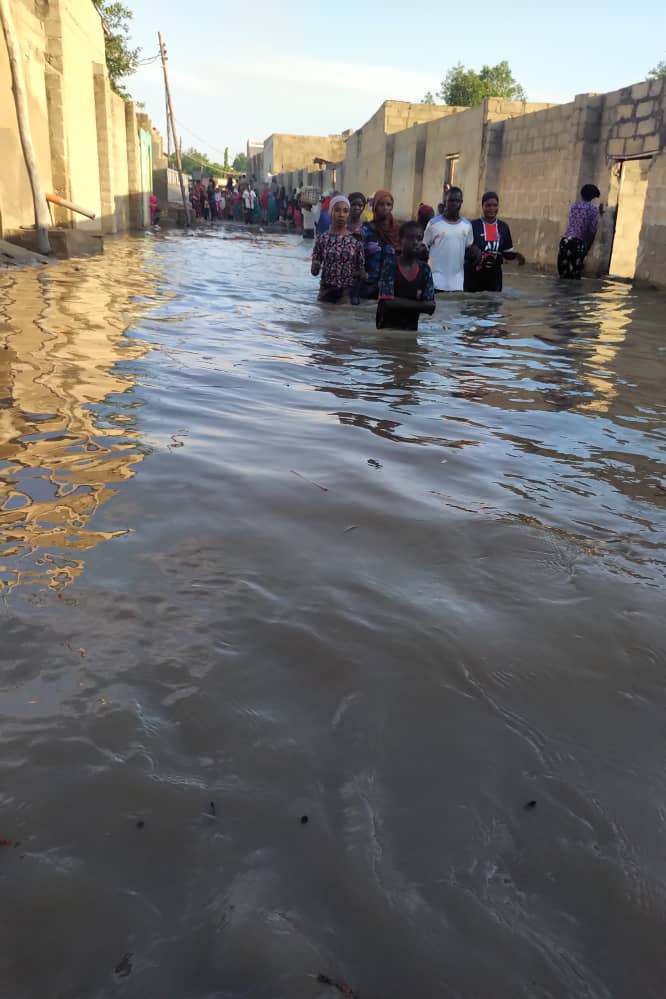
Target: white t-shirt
point(447, 242)
point(249, 200)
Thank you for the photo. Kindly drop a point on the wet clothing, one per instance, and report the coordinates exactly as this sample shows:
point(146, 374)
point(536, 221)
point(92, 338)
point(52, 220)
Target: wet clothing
point(577, 239)
point(340, 258)
point(583, 222)
point(447, 242)
point(494, 240)
point(396, 282)
point(375, 251)
point(324, 221)
point(571, 257)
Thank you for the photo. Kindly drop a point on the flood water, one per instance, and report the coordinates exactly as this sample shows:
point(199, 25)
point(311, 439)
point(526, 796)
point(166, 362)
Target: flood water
point(259, 562)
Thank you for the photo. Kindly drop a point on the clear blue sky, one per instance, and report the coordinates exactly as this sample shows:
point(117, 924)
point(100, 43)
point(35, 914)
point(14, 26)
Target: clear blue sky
point(243, 72)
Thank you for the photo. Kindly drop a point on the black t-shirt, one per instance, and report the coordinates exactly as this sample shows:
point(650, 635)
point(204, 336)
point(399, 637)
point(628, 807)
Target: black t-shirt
point(493, 239)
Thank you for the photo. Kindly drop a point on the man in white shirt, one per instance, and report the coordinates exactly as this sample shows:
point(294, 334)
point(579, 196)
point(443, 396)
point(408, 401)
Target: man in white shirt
point(447, 239)
point(249, 202)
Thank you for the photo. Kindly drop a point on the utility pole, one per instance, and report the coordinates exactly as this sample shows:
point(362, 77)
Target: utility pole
point(42, 216)
point(168, 130)
point(171, 118)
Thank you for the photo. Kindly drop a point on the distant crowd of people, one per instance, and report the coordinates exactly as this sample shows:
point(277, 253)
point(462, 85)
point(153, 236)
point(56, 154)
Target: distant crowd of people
point(239, 201)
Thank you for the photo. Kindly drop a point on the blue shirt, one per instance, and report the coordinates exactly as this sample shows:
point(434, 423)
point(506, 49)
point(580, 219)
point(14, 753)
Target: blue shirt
point(324, 223)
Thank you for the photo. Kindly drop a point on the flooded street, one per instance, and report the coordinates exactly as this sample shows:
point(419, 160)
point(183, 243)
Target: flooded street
point(258, 562)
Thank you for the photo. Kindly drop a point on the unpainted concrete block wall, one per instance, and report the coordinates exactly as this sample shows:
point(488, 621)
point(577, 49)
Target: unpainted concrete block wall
point(79, 125)
point(15, 193)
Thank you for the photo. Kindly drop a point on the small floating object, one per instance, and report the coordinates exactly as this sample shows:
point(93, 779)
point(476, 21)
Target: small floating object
point(304, 820)
point(530, 805)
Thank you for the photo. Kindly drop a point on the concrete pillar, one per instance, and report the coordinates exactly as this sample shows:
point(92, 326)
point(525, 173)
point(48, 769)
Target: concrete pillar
point(419, 165)
point(133, 166)
point(109, 222)
point(388, 162)
point(53, 81)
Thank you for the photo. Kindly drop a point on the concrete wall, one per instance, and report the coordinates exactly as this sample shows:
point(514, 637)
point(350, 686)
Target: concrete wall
point(79, 125)
point(293, 152)
point(404, 147)
point(538, 163)
point(15, 193)
point(652, 245)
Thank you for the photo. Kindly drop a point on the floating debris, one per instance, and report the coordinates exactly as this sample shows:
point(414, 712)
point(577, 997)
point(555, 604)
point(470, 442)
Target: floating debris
point(344, 989)
point(324, 489)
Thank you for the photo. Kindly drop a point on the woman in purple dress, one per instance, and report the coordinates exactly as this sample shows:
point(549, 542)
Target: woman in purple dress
point(580, 233)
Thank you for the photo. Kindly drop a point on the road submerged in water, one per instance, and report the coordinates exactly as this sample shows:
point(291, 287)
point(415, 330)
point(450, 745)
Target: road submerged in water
point(261, 562)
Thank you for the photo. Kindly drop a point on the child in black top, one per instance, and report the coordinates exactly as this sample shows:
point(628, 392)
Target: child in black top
point(406, 288)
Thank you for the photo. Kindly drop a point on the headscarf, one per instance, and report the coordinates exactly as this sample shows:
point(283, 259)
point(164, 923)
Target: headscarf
point(336, 200)
point(388, 230)
point(424, 214)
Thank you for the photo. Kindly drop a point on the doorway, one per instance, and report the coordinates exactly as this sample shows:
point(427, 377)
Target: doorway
point(632, 193)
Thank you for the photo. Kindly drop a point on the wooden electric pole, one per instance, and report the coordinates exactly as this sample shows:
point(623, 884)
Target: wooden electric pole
point(42, 216)
point(171, 118)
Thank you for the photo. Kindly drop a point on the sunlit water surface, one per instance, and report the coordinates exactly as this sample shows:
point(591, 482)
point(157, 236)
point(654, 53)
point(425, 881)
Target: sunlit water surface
point(259, 561)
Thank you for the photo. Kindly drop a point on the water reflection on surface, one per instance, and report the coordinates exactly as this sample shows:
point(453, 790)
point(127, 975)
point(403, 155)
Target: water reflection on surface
point(402, 585)
point(68, 416)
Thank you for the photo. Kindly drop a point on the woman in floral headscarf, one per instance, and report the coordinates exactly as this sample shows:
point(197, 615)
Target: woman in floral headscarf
point(381, 236)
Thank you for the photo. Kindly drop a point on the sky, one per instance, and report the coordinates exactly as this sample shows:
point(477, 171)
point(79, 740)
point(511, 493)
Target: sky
point(243, 73)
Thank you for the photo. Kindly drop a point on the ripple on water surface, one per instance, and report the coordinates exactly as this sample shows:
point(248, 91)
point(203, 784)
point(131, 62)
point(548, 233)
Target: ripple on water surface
point(260, 561)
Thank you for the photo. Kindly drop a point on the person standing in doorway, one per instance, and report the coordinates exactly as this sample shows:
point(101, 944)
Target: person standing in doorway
point(492, 237)
point(579, 234)
point(449, 239)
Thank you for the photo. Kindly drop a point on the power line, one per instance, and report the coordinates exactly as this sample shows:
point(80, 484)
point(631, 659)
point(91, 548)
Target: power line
point(148, 61)
point(199, 139)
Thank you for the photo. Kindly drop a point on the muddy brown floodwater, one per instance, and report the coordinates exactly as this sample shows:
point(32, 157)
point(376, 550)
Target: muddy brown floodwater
point(260, 562)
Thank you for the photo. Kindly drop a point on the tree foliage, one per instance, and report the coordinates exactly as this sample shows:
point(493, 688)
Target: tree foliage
point(194, 160)
point(428, 99)
point(463, 87)
point(240, 163)
point(659, 71)
point(121, 59)
point(226, 158)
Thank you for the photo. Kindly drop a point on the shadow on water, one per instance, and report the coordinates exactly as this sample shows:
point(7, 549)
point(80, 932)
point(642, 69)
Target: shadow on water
point(261, 561)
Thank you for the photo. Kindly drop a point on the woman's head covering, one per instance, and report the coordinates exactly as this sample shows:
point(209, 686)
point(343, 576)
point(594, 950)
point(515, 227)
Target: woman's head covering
point(424, 214)
point(388, 229)
point(336, 200)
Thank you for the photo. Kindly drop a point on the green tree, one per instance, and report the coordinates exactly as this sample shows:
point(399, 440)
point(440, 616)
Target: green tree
point(240, 163)
point(225, 165)
point(463, 87)
point(121, 59)
point(658, 71)
point(193, 160)
point(428, 99)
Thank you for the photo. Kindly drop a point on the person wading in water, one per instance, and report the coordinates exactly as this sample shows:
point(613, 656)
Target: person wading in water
point(381, 237)
point(579, 235)
point(338, 255)
point(492, 238)
point(448, 240)
point(406, 289)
